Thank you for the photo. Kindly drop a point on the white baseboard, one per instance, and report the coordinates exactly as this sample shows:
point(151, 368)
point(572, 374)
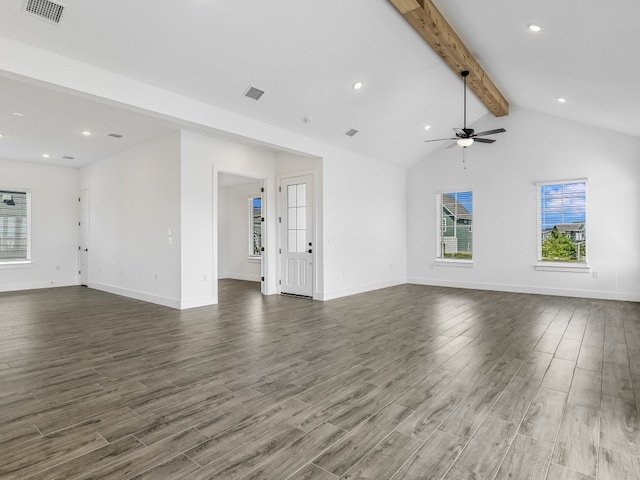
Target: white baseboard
point(560, 292)
point(147, 297)
point(15, 287)
point(359, 289)
point(242, 276)
point(197, 302)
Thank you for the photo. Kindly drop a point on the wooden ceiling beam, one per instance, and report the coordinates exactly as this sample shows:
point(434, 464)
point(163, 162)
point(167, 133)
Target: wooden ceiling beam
point(427, 20)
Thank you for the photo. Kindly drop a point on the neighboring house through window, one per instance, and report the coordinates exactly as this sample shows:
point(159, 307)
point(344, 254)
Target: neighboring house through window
point(255, 227)
point(15, 230)
point(455, 235)
point(562, 221)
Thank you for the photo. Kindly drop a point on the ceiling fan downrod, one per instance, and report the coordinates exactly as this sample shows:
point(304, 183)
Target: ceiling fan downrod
point(465, 74)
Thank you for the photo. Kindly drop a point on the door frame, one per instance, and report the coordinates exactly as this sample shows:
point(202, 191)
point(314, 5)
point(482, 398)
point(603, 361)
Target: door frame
point(266, 244)
point(281, 209)
point(85, 227)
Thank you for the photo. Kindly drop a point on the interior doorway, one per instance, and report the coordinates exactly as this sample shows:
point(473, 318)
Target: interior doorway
point(241, 228)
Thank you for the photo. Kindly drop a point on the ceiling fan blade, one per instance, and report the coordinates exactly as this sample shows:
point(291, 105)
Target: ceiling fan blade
point(453, 144)
point(490, 132)
point(460, 133)
point(440, 139)
point(483, 140)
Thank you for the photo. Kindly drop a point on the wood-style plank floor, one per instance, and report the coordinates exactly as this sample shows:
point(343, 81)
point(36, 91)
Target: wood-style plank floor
point(410, 382)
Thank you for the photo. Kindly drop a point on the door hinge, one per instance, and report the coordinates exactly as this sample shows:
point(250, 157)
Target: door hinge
point(262, 249)
point(79, 247)
point(280, 189)
point(279, 219)
point(79, 199)
point(78, 223)
point(279, 282)
point(262, 190)
point(262, 219)
point(262, 279)
point(280, 251)
point(79, 272)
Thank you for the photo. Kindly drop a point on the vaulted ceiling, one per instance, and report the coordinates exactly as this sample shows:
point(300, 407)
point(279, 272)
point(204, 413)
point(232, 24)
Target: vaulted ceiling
point(306, 55)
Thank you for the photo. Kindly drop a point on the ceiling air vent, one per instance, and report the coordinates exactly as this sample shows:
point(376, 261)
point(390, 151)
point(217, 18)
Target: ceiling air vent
point(114, 135)
point(253, 92)
point(352, 132)
point(46, 10)
point(68, 157)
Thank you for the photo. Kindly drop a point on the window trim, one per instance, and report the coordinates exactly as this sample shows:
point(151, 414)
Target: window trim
point(556, 266)
point(20, 262)
point(450, 262)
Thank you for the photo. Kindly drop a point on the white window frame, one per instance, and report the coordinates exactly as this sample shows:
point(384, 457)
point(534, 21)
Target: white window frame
point(20, 262)
point(449, 262)
point(250, 253)
point(548, 266)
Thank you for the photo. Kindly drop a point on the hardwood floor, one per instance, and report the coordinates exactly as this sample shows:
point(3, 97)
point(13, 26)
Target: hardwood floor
point(409, 382)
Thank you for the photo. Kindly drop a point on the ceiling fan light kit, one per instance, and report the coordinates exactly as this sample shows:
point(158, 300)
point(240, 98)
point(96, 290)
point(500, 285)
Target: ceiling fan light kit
point(465, 137)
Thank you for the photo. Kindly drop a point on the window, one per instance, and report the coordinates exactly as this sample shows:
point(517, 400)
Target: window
point(255, 227)
point(15, 241)
point(297, 218)
point(562, 222)
point(455, 236)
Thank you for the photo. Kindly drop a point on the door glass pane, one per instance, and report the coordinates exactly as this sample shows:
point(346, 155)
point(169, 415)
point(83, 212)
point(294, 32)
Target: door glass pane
point(292, 241)
point(291, 218)
point(302, 241)
point(291, 196)
point(301, 218)
point(301, 195)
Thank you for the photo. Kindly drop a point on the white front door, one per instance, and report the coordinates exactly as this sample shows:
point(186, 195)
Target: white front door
point(83, 238)
point(296, 238)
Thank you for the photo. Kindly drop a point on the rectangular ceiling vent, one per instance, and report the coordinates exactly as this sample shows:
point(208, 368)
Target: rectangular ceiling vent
point(114, 135)
point(52, 12)
point(352, 132)
point(253, 92)
point(68, 157)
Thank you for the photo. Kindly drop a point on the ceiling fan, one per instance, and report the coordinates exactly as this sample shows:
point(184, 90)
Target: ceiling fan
point(466, 137)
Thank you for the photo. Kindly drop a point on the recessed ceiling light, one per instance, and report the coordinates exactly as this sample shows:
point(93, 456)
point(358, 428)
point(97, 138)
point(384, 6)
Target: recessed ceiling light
point(357, 85)
point(427, 127)
point(45, 155)
point(86, 133)
point(0, 135)
point(534, 28)
point(561, 100)
point(18, 114)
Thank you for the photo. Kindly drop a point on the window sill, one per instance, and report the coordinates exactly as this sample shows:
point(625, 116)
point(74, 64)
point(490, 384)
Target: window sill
point(562, 267)
point(442, 262)
point(16, 264)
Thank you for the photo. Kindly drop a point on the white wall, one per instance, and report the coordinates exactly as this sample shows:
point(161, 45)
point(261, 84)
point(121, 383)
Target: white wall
point(502, 176)
point(134, 201)
point(54, 225)
point(364, 225)
point(233, 233)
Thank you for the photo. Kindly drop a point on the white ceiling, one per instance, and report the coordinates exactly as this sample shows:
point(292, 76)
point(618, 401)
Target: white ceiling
point(306, 55)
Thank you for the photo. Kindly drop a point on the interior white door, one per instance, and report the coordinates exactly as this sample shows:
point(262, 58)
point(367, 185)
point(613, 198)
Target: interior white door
point(296, 239)
point(83, 238)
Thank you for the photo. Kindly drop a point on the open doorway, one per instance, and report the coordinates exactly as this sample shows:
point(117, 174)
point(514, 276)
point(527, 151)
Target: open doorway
point(241, 230)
